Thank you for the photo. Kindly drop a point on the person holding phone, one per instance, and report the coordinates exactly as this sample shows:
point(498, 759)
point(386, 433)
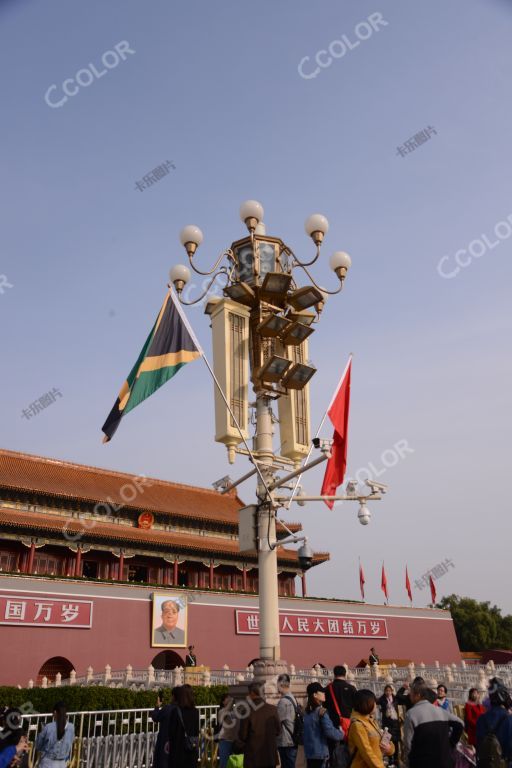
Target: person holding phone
point(162, 715)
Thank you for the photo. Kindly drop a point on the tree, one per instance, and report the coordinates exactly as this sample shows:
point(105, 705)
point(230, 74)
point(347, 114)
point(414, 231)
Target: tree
point(478, 626)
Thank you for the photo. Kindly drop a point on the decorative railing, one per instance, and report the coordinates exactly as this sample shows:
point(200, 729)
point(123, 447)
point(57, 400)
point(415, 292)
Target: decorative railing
point(457, 678)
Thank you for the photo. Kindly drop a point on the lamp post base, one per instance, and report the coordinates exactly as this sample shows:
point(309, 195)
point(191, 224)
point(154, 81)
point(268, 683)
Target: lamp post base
point(266, 669)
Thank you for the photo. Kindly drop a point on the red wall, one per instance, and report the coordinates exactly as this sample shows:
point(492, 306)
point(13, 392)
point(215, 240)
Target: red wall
point(120, 632)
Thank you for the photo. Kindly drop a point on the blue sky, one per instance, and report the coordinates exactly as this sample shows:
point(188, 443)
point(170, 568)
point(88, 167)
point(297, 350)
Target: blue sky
point(215, 88)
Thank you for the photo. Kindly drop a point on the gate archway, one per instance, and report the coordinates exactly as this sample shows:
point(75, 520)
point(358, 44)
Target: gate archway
point(54, 665)
point(167, 660)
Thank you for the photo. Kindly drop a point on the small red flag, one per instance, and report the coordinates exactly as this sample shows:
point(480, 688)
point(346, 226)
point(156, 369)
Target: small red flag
point(408, 584)
point(384, 582)
point(361, 580)
point(338, 413)
point(433, 592)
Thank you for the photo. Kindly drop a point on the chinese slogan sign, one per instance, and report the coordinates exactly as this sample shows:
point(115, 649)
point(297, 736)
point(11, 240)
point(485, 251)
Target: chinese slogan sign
point(37, 611)
point(308, 624)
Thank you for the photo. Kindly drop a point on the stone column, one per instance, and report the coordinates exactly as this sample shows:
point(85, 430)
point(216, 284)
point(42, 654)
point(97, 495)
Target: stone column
point(78, 562)
point(30, 565)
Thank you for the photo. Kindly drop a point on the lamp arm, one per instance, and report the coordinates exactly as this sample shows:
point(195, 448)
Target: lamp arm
point(223, 271)
point(324, 290)
point(226, 253)
point(298, 262)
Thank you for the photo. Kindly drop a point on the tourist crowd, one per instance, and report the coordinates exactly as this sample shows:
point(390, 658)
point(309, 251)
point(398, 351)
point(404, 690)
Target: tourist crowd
point(339, 727)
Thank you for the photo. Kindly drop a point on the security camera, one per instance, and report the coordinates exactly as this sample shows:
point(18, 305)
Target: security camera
point(305, 555)
point(364, 515)
point(376, 487)
point(223, 483)
point(324, 445)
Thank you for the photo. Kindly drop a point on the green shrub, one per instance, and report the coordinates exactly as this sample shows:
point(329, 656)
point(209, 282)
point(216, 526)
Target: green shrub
point(93, 698)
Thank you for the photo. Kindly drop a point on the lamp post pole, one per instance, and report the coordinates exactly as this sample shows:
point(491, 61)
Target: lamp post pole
point(267, 555)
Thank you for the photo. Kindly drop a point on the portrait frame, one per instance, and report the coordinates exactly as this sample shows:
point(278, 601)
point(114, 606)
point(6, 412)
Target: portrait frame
point(157, 629)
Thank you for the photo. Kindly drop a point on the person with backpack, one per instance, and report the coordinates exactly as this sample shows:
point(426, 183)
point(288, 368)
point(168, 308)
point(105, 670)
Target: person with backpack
point(494, 729)
point(318, 728)
point(291, 717)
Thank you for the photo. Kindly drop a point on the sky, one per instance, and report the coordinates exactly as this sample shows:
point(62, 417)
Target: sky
point(216, 90)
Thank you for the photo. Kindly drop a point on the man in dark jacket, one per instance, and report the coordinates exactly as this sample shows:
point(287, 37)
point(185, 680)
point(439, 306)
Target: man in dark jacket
point(341, 693)
point(259, 731)
point(430, 733)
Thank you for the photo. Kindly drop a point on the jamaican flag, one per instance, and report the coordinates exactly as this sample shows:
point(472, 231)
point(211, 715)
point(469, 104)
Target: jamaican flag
point(170, 345)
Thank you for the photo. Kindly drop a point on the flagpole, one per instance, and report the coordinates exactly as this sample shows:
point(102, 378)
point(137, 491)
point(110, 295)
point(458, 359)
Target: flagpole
point(297, 482)
point(221, 392)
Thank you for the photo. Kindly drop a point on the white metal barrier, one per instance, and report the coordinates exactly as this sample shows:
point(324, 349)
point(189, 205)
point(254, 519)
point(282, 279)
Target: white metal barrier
point(122, 738)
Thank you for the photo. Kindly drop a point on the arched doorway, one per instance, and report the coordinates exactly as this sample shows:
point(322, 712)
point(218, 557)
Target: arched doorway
point(54, 665)
point(167, 660)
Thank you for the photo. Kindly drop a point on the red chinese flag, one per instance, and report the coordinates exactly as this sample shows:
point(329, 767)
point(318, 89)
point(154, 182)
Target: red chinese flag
point(361, 580)
point(384, 582)
point(408, 584)
point(338, 414)
point(433, 592)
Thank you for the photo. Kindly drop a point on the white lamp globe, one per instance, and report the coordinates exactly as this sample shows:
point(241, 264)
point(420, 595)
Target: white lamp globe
point(260, 229)
point(191, 234)
point(179, 274)
point(252, 210)
point(316, 223)
point(364, 515)
point(340, 260)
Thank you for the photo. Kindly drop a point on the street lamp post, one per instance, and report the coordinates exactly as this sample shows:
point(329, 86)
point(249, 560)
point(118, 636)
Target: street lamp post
point(260, 331)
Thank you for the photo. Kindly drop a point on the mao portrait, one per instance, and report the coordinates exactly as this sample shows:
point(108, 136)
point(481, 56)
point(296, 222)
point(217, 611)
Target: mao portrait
point(169, 624)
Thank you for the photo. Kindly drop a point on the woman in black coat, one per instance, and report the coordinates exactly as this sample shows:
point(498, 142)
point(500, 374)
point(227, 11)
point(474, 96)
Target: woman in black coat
point(162, 715)
point(388, 705)
point(184, 731)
